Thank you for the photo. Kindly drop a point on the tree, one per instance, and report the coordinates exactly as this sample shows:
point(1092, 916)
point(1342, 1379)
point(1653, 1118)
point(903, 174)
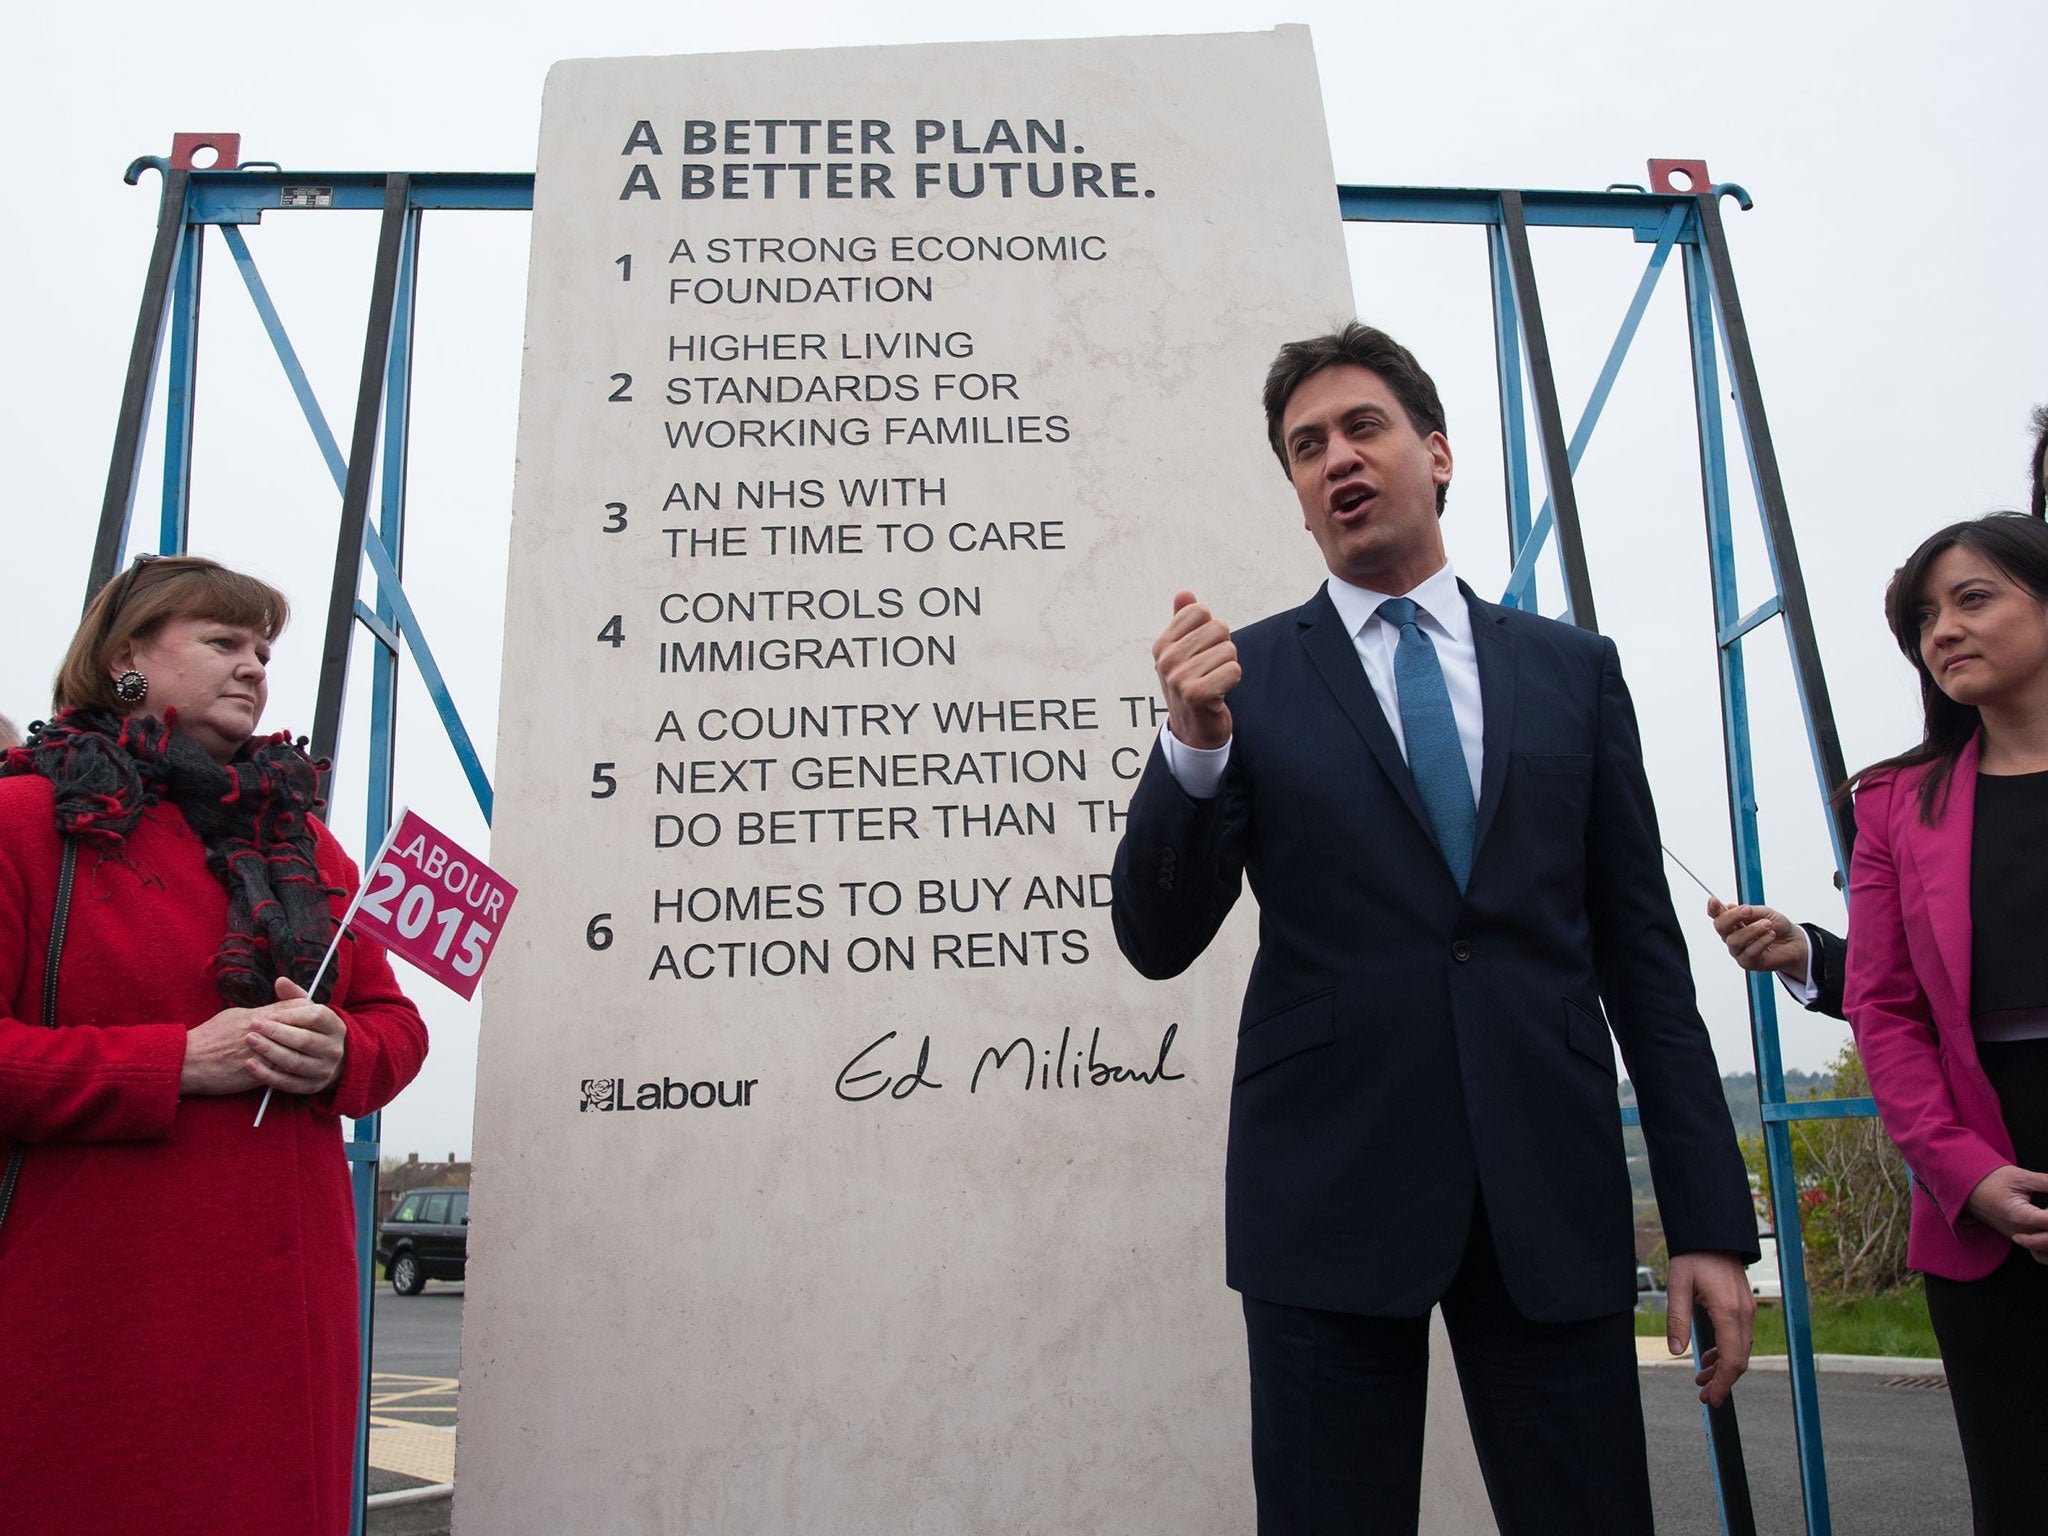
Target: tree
point(1853, 1191)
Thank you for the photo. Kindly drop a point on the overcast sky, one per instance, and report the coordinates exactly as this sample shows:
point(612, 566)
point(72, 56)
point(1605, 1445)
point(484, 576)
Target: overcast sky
point(1890, 272)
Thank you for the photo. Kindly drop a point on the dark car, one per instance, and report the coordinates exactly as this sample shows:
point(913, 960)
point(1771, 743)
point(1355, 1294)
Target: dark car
point(427, 1238)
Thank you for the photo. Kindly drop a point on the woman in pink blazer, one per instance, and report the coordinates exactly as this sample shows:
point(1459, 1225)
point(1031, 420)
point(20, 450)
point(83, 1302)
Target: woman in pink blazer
point(1947, 982)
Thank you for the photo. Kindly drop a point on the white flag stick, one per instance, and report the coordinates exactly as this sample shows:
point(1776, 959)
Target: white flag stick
point(1696, 880)
point(347, 917)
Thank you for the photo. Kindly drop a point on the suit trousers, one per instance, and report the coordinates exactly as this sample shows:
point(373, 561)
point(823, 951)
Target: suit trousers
point(1338, 1403)
point(1993, 1332)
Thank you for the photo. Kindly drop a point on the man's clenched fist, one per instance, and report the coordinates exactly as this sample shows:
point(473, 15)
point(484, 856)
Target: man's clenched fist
point(1197, 664)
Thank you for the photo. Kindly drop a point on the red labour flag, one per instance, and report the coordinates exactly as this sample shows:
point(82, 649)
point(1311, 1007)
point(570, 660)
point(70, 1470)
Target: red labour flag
point(429, 902)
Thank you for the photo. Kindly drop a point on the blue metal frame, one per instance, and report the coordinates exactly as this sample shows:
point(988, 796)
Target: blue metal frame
point(387, 541)
point(1676, 221)
point(1514, 426)
point(1524, 549)
point(230, 200)
point(1749, 885)
point(393, 617)
point(180, 385)
point(1512, 221)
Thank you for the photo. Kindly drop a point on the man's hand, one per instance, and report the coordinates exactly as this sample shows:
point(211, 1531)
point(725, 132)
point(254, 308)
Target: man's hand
point(2004, 1201)
point(1197, 665)
point(1762, 939)
point(295, 1044)
point(1715, 1281)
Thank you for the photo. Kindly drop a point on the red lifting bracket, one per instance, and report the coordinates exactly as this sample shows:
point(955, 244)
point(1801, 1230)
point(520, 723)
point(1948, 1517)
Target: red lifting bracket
point(1684, 177)
point(206, 151)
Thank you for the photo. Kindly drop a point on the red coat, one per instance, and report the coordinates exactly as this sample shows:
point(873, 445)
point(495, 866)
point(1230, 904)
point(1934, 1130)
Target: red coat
point(1908, 997)
point(178, 1290)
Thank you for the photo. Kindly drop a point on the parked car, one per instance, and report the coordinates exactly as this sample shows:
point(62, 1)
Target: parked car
point(1765, 1284)
point(426, 1238)
point(1649, 1295)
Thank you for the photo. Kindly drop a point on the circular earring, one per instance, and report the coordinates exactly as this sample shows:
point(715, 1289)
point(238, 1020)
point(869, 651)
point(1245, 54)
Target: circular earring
point(131, 687)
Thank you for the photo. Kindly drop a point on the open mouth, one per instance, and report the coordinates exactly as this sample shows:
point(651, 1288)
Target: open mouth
point(1349, 499)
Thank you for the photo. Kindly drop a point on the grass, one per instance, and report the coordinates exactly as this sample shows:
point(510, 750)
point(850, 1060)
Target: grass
point(1892, 1324)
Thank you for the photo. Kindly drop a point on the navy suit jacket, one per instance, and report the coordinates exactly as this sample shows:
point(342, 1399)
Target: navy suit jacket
point(1401, 1042)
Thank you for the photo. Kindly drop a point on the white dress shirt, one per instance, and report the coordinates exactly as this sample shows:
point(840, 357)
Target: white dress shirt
point(1804, 989)
point(1443, 616)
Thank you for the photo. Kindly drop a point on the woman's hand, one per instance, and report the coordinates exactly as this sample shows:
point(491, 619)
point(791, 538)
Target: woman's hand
point(2004, 1201)
point(295, 1044)
point(1762, 939)
point(217, 1056)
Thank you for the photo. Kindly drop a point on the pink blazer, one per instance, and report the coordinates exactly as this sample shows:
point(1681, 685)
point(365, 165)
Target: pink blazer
point(1907, 989)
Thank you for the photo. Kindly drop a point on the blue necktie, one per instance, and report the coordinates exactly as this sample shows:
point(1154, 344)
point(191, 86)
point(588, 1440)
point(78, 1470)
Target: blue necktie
point(1436, 759)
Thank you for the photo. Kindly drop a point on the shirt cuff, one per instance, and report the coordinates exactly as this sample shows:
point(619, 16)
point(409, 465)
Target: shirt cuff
point(1805, 989)
point(1197, 770)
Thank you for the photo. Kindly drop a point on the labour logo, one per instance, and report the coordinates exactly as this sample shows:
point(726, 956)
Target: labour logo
point(616, 1095)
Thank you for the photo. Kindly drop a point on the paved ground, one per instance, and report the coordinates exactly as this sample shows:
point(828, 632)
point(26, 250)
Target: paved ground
point(1894, 1468)
point(415, 1352)
point(418, 1335)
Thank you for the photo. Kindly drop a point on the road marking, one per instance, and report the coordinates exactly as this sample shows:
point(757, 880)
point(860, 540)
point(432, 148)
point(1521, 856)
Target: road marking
point(399, 1401)
point(418, 1450)
point(399, 1441)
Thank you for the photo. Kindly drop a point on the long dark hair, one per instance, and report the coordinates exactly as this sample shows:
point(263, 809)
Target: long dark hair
point(2018, 545)
point(2036, 475)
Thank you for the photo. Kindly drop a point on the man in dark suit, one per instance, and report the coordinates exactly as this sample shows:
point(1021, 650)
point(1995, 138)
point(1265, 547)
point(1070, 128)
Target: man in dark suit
point(1441, 807)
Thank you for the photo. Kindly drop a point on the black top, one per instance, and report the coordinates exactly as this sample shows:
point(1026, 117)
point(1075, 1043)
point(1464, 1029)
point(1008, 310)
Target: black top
point(2009, 893)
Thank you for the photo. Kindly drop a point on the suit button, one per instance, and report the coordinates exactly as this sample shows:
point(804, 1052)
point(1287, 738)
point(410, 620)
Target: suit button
point(1461, 951)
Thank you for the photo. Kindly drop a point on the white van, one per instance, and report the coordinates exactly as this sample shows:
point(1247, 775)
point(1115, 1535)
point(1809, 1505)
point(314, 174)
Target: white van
point(1764, 1281)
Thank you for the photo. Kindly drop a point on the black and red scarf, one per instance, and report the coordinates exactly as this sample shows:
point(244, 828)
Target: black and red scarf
point(253, 816)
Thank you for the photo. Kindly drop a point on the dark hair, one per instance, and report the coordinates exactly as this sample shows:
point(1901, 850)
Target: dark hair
point(2034, 476)
point(139, 601)
point(2018, 545)
point(1360, 346)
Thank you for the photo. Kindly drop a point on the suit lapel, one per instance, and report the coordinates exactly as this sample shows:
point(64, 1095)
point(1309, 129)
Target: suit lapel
point(1941, 858)
point(1335, 657)
point(1494, 645)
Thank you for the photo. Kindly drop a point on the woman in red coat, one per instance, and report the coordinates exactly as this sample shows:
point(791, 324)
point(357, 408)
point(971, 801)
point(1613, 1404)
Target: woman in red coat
point(178, 1346)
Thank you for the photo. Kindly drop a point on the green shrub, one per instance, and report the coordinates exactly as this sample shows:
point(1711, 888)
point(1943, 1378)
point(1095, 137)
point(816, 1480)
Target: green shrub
point(1853, 1193)
point(1892, 1323)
